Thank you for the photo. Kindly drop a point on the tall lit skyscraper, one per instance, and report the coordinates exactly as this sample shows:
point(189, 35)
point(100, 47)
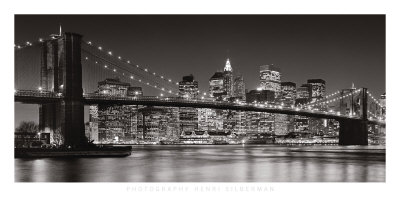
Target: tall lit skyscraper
point(317, 89)
point(270, 79)
point(221, 83)
point(228, 79)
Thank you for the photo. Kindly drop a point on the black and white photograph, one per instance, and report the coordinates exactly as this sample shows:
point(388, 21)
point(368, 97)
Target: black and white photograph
point(210, 102)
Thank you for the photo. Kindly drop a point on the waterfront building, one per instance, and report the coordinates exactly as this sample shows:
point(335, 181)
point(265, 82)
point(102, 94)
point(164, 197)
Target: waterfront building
point(153, 124)
point(188, 117)
point(195, 137)
point(270, 79)
point(240, 122)
point(303, 97)
point(117, 123)
point(114, 123)
point(301, 124)
point(93, 132)
point(284, 124)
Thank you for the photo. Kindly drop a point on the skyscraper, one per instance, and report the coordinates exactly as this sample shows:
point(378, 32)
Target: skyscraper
point(114, 123)
point(270, 79)
point(217, 89)
point(228, 79)
point(239, 90)
point(317, 89)
point(188, 87)
point(288, 93)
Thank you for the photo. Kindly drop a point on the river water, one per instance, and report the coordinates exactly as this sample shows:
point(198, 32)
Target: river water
point(215, 163)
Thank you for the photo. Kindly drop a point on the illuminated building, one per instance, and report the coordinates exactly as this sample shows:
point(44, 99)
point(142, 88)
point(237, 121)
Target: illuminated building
point(153, 123)
point(283, 124)
point(240, 122)
point(113, 87)
point(228, 79)
point(114, 123)
point(135, 92)
point(239, 90)
point(188, 117)
point(195, 137)
point(93, 124)
point(270, 79)
point(188, 87)
point(301, 123)
point(317, 126)
point(117, 123)
point(222, 84)
point(317, 89)
point(303, 94)
point(288, 93)
point(217, 88)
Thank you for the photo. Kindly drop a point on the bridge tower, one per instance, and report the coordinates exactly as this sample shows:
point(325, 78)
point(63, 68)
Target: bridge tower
point(61, 72)
point(355, 131)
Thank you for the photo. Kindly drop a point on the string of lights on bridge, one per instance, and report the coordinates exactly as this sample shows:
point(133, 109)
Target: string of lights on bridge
point(374, 99)
point(41, 40)
point(27, 44)
point(146, 70)
point(132, 77)
point(318, 101)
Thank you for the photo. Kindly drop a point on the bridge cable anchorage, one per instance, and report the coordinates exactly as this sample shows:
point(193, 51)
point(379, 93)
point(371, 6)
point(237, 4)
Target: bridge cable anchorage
point(129, 75)
point(137, 66)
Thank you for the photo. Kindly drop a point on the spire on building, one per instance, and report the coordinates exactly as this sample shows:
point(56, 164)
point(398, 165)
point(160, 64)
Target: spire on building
point(228, 66)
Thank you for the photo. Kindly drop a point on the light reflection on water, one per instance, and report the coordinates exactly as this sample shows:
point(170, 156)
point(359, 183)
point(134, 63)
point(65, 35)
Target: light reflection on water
point(215, 163)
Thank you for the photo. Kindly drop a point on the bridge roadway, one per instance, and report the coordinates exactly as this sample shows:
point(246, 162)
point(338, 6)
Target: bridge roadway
point(35, 97)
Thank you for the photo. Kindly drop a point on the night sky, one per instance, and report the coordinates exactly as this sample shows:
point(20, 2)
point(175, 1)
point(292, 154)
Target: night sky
point(341, 49)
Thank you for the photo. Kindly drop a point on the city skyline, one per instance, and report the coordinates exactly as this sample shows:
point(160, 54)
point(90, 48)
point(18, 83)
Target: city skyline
point(218, 42)
point(247, 37)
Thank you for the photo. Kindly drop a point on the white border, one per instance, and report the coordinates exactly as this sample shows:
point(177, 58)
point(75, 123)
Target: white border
point(115, 190)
